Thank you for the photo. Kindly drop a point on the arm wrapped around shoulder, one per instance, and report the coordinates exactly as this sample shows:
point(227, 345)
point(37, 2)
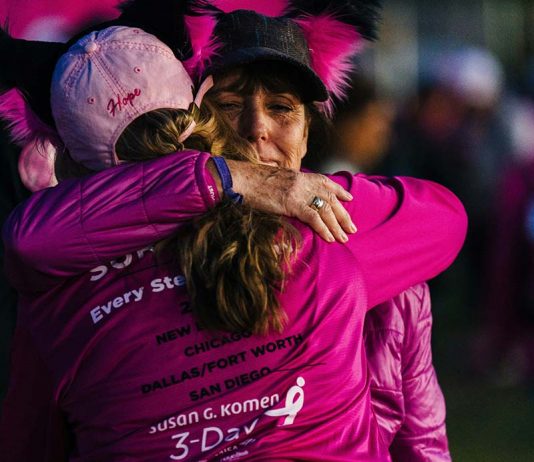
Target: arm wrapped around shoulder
point(66, 230)
point(409, 231)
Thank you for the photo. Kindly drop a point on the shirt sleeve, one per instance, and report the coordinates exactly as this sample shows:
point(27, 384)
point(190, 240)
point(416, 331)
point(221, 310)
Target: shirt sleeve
point(63, 231)
point(32, 427)
point(423, 435)
point(409, 231)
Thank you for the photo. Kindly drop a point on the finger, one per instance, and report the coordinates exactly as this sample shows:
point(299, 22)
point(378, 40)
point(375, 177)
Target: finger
point(329, 218)
point(343, 217)
point(341, 214)
point(312, 218)
point(340, 192)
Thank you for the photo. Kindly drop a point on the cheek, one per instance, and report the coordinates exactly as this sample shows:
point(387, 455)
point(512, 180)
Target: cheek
point(293, 142)
point(300, 140)
point(232, 121)
point(304, 139)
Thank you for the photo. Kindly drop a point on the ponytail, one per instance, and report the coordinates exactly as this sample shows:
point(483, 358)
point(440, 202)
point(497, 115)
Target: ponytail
point(235, 259)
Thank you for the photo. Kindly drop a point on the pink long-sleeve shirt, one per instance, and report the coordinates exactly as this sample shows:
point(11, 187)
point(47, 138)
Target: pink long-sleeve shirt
point(133, 376)
point(405, 394)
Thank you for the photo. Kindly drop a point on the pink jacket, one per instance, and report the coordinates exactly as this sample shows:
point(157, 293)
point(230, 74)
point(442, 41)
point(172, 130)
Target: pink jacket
point(407, 399)
point(124, 362)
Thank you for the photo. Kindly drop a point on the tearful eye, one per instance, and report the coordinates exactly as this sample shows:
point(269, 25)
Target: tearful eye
point(228, 106)
point(281, 108)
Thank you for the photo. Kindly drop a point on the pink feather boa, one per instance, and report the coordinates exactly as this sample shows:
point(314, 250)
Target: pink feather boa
point(36, 161)
point(24, 125)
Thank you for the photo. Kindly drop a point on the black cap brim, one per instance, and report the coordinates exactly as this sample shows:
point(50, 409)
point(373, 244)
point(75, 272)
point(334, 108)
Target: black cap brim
point(311, 86)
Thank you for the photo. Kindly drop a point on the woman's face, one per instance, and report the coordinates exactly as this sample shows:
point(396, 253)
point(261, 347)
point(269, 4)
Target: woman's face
point(276, 124)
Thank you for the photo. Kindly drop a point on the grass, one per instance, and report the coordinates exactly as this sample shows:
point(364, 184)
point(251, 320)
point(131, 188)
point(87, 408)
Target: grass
point(487, 423)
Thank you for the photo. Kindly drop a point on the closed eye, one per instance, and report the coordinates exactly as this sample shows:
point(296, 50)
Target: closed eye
point(229, 106)
point(283, 108)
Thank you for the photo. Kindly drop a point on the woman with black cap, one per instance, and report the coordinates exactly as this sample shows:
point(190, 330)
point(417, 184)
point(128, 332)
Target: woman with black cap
point(255, 65)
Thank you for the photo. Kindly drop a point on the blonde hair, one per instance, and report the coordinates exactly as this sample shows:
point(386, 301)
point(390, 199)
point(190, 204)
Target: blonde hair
point(234, 258)
point(156, 133)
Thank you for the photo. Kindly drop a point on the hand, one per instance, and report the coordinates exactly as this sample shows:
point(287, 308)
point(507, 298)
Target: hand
point(290, 193)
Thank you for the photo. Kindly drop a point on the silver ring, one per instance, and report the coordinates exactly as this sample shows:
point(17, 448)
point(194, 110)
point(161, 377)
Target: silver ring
point(317, 203)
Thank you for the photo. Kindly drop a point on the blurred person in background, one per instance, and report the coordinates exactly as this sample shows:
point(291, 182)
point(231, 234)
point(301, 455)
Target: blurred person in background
point(362, 130)
point(453, 132)
point(504, 348)
point(407, 398)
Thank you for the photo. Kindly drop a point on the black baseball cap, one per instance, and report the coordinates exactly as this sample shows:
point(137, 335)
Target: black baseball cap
point(248, 37)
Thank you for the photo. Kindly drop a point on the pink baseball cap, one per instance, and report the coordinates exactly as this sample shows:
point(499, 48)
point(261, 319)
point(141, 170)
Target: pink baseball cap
point(105, 81)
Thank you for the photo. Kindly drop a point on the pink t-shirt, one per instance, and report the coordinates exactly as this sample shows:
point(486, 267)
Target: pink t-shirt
point(135, 377)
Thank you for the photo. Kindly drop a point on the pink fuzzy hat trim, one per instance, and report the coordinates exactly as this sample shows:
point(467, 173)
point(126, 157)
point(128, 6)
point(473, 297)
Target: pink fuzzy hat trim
point(333, 45)
point(203, 43)
point(24, 125)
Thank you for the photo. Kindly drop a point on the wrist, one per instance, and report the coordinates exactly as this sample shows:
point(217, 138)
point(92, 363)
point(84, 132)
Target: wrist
point(212, 170)
point(226, 181)
point(248, 177)
point(238, 170)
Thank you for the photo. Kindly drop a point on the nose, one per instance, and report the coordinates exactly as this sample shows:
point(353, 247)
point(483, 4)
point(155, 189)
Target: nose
point(254, 124)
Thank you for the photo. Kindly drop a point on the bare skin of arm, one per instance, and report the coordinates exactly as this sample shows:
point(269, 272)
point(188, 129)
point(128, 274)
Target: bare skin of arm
point(287, 192)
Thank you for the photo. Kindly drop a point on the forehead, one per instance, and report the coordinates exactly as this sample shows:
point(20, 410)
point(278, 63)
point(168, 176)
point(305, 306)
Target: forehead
point(249, 80)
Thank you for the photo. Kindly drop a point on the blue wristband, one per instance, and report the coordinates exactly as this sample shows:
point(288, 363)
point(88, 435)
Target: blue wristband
point(226, 180)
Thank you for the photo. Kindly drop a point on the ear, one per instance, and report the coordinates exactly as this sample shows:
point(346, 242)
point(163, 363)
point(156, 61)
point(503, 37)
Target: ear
point(36, 165)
